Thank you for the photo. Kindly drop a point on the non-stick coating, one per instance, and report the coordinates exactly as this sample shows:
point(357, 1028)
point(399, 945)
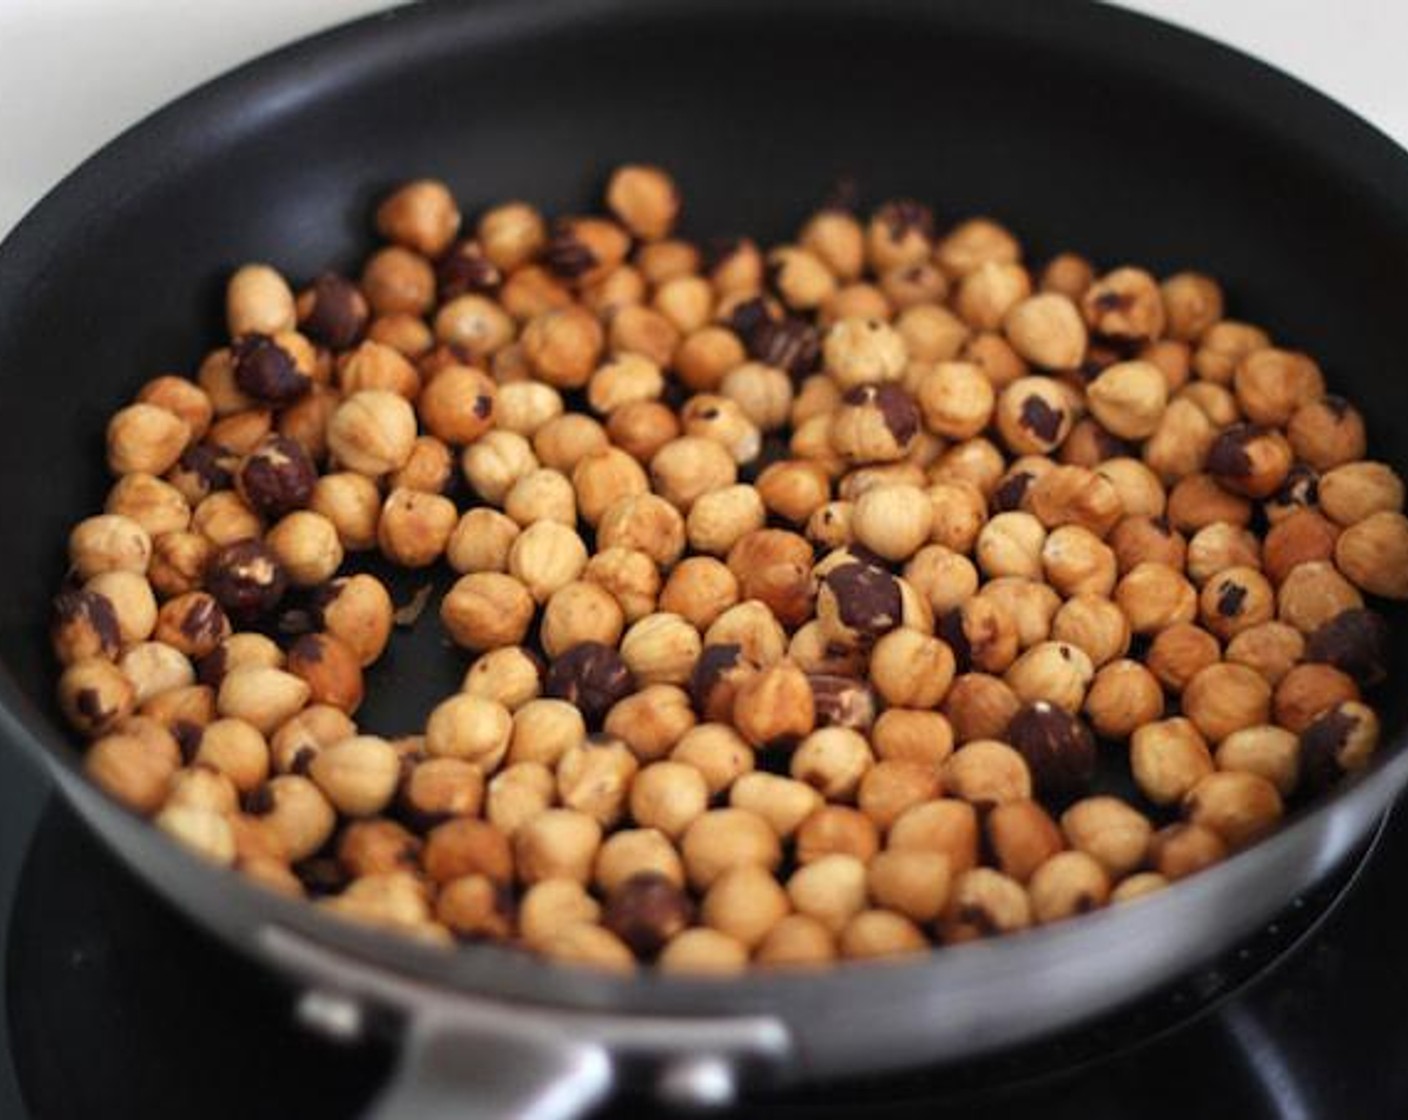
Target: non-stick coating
point(1084, 127)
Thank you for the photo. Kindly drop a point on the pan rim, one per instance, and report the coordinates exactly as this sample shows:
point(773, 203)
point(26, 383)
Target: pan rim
point(378, 40)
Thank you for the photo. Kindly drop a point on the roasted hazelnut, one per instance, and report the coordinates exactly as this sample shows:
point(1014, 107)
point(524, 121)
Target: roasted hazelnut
point(1067, 273)
point(1052, 671)
point(986, 772)
point(1237, 806)
point(1168, 759)
point(1139, 540)
point(556, 844)
point(1217, 547)
point(704, 952)
point(1271, 384)
point(1125, 305)
point(983, 903)
point(145, 439)
point(372, 432)
point(1114, 833)
point(1154, 597)
point(1047, 330)
point(95, 696)
point(1235, 600)
point(1355, 641)
point(1057, 747)
point(774, 705)
point(109, 543)
point(1179, 652)
point(246, 579)
point(1066, 885)
point(1181, 850)
point(1308, 690)
point(797, 941)
point(1271, 752)
point(1303, 536)
point(1093, 624)
point(1198, 500)
point(1340, 740)
point(487, 610)
point(1075, 496)
point(1250, 460)
point(257, 298)
point(1312, 594)
point(1011, 545)
point(1123, 696)
point(718, 752)
point(276, 478)
point(1128, 398)
point(857, 603)
point(1373, 553)
point(910, 669)
point(591, 676)
point(1224, 698)
point(420, 215)
point(1022, 836)
point(85, 626)
point(357, 610)
point(1033, 415)
point(1138, 886)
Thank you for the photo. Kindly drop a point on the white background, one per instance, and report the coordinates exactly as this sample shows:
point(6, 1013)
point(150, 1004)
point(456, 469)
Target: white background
point(73, 73)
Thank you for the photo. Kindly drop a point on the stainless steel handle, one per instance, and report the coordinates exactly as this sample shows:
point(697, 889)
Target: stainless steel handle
point(446, 1072)
point(464, 1056)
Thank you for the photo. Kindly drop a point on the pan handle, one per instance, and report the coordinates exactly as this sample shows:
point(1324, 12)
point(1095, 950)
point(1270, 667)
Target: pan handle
point(446, 1072)
point(465, 1056)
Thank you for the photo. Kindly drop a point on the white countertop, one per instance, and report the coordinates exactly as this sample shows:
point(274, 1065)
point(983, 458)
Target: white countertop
point(135, 55)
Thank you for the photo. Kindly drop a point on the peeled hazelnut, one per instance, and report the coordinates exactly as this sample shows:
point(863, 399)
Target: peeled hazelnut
point(1272, 384)
point(1224, 698)
point(1238, 807)
point(1307, 691)
point(1022, 836)
point(1169, 758)
point(1128, 398)
point(1374, 554)
point(1271, 752)
point(983, 903)
point(1116, 834)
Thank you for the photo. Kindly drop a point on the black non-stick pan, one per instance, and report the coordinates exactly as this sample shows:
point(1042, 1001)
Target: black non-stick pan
point(1083, 126)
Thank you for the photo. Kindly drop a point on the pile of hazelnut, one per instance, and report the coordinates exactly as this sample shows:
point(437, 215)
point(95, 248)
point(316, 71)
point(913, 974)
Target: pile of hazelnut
point(835, 600)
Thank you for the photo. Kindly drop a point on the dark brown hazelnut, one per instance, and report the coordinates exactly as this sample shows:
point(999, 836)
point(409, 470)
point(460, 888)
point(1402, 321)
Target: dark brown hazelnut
point(465, 270)
point(246, 579)
point(646, 911)
point(1336, 742)
point(277, 477)
point(85, 625)
point(866, 601)
point(333, 312)
point(1058, 747)
point(202, 469)
point(1355, 642)
point(591, 676)
point(717, 674)
point(266, 371)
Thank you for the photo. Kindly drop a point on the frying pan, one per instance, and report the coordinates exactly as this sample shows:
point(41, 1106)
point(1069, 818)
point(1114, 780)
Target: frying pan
point(1086, 127)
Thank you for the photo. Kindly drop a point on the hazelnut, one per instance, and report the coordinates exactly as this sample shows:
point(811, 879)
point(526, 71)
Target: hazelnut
point(271, 369)
point(1183, 849)
point(1022, 836)
point(1124, 696)
point(1272, 384)
point(722, 839)
point(651, 721)
point(591, 676)
point(1308, 690)
point(556, 844)
point(357, 610)
point(668, 796)
point(1301, 537)
point(1057, 747)
point(1169, 758)
point(1313, 593)
point(983, 903)
point(1033, 415)
point(109, 543)
point(1236, 600)
point(1271, 752)
point(352, 503)
point(1373, 553)
point(863, 352)
point(1047, 330)
point(797, 941)
point(1355, 641)
point(1237, 806)
point(257, 298)
point(1068, 884)
point(704, 952)
point(1115, 834)
point(372, 432)
point(986, 772)
point(1075, 496)
point(134, 771)
point(831, 889)
point(1154, 597)
point(1093, 624)
point(1128, 398)
point(1054, 672)
point(718, 752)
point(487, 610)
point(774, 705)
point(1250, 460)
point(1125, 305)
point(1341, 740)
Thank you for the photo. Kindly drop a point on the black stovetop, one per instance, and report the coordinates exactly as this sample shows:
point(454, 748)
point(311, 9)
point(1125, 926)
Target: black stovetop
point(118, 1007)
